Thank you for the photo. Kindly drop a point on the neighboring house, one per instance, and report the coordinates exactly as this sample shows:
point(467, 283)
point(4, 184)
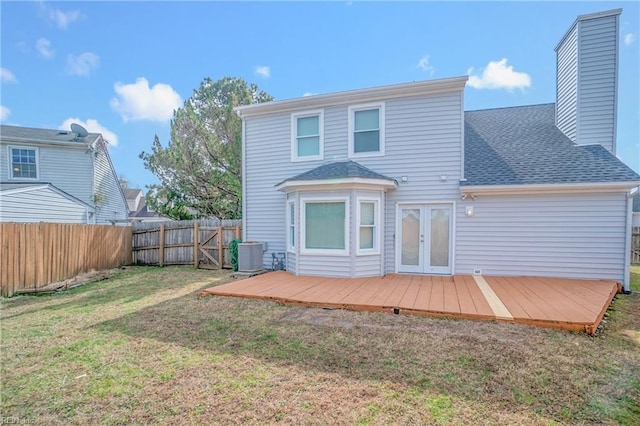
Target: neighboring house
point(400, 179)
point(139, 211)
point(636, 211)
point(58, 176)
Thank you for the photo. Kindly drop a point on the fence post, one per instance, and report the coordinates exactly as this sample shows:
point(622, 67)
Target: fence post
point(237, 232)
point(196, 255)
point(161, 248)
point(220, 238)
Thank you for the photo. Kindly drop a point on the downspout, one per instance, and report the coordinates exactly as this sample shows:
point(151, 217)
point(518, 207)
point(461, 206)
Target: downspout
point(244, 178)
point(626, 284)
point(91, 148)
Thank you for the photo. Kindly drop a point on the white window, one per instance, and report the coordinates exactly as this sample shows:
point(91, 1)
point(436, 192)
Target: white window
point(368, 228)
point(291, 226)
point(325, 226)
point(307, 136)
point(23, 163)
point(366, 130)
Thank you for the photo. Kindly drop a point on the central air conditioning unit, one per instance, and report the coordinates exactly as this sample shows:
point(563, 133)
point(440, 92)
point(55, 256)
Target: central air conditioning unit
point(250, 256)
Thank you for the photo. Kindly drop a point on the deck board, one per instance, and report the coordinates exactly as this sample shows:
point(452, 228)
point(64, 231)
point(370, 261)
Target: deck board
point(548, 302)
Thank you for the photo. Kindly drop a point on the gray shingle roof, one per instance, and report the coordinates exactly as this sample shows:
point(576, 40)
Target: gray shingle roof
point(33, 135)
point(338, 170)
point(131, 193)
point(522, 145)
point(6, 186)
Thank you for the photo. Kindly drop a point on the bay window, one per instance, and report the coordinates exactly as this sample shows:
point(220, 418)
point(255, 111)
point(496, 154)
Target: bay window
point(325, 228)
point(368, 217)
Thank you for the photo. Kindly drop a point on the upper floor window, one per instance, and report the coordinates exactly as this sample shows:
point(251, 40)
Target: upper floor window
point(24, 163)
point(366, 130)
point(307, 136)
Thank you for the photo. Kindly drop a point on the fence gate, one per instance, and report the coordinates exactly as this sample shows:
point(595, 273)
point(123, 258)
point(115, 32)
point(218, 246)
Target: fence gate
point(213, 253)
point(203, 243)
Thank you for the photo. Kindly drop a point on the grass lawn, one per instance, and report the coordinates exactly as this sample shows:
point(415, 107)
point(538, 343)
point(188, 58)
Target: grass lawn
point(142, 348)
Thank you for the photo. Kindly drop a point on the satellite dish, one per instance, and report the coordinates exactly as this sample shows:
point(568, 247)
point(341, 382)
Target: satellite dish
point(79, 130)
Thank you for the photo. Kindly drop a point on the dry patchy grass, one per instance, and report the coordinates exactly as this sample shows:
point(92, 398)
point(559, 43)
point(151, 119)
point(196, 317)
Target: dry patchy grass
point(142, 348)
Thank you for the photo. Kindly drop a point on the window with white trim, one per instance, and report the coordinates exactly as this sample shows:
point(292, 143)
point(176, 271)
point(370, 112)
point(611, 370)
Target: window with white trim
point(307, 136)
point(368, 218)
point(325, 227)
point(291, 225)
point(366, 130)
point(23, 163)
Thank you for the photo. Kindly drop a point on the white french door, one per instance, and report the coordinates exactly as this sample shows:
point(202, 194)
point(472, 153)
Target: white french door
point(424, 238)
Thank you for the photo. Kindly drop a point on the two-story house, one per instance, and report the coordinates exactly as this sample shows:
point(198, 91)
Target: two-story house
point(400, 179)
point(58, 176)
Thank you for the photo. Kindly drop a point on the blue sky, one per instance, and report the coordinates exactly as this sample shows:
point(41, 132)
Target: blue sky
point(122, 67)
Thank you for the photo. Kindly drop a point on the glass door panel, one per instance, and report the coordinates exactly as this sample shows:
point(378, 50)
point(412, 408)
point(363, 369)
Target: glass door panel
point(418, 254)
point(411, 236)
point(440, 239)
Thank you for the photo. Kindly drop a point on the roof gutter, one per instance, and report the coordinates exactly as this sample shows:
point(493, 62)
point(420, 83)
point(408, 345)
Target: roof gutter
point(39, 142)
point(343, 182)
point(548, 188)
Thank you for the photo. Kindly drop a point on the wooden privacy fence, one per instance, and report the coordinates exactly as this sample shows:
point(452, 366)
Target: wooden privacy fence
point(202, 243)
point(635, 245)
point(33, 255)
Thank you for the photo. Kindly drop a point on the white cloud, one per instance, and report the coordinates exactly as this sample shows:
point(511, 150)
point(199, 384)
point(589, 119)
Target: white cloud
point(263, 71)
point(92, 126)
point(499, 75)
point(44, 47)
point(629, 39)
point(4, 112)
point(424, 65)
point(62, 19)
point(308, 94)
point(137, 101)
point(82, 64)
point(7, 76)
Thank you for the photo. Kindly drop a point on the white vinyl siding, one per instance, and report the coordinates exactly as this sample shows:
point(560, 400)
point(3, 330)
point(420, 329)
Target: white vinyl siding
point(40, 205)
point(66, 167)
point(423, 140)
point(266, 144)
point(325, 266)
point(111, 205)
point(587, 72)
point(567, 84)
point(598, 68)
point(307, 139)
point(366, 130)
point(433, 124)
point(564, 235)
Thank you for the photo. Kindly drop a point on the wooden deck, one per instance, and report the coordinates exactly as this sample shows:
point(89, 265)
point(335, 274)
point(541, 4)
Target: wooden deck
point(577, 305)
